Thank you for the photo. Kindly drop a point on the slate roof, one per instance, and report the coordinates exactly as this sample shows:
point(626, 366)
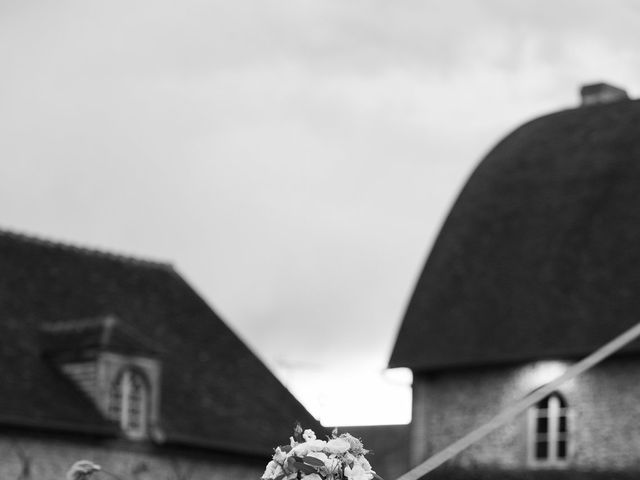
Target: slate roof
point(215, 392)
point(540, 255)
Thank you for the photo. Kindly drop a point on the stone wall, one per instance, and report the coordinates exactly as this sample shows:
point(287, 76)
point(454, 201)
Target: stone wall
point(26, 458)
point(604, 414)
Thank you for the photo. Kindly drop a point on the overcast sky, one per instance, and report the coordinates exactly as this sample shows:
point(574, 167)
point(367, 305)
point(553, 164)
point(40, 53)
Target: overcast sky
point(292, 159)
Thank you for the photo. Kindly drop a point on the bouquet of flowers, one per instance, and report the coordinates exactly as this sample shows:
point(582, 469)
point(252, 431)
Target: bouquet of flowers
point(341, 457)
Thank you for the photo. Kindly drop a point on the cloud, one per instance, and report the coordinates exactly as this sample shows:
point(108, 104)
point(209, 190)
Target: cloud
point(294, 158)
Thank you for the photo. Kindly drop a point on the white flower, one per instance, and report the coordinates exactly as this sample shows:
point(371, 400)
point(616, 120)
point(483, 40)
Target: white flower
point(301, 449)
point(272, 471)
point(279, 456)
point(82, 470)
point(333, 465)
point(355, 444)
point(349, 458)
point(337, 445)
point(357, 473)
point(342, 457)
point(315, 445)
point(364, 463)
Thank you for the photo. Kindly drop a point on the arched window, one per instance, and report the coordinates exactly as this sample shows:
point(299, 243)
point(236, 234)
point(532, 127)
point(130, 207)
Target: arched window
point(549, 431)
point(128, 402)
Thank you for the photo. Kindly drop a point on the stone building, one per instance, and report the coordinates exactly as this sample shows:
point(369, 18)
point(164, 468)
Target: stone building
point(119, 361)
point(536, 266)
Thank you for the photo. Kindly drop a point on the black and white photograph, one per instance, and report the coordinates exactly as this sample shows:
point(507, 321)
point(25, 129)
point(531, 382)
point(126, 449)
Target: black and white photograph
point(319, 240)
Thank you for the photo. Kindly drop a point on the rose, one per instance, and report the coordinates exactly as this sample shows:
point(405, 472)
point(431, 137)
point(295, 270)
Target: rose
point(272, 471)
point(299, 450)
point(355, 444)
point(315, 445)
point(333, 465)
point(357, 472)
point(349, 459)
point(342, 457)
point(302, 449)
point(364, 463)
point(279, 456)
point(337, 445)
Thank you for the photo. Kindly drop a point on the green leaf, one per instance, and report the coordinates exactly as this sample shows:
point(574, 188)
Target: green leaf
point(280, 477)
point(290, 462)
point(286, 448)
point(303, 467)
point(313, 461)
point(375, 475)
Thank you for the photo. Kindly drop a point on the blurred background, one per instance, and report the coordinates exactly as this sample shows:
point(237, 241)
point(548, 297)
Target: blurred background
point(293, 160)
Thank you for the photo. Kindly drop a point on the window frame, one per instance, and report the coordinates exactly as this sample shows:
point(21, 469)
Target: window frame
point(132, 417)
point(556, 409)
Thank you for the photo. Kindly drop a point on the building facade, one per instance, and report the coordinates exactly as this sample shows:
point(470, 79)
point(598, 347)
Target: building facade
point(119, 361)
point(536, 266)
point(592, 426)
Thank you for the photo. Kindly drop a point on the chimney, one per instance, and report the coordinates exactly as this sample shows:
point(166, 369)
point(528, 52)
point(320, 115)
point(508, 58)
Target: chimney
point(599, 93)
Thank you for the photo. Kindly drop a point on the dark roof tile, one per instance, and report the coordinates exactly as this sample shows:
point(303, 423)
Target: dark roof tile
point(215, 391)
point(539, 257)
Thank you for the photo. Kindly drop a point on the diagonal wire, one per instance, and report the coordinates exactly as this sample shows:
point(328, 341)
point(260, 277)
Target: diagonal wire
point(534, 397)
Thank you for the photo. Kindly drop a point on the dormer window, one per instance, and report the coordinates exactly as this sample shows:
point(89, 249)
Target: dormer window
point(129, 402)
point(117, 367)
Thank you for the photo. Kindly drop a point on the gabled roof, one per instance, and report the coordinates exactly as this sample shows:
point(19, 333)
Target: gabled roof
point(540, 255)
point(215, 392)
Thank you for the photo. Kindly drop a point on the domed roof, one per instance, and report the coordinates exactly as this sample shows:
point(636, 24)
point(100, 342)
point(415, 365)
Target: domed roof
point(540, 255)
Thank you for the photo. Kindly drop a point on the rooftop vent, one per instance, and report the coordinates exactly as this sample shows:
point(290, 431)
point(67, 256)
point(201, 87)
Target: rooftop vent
point(599, 93)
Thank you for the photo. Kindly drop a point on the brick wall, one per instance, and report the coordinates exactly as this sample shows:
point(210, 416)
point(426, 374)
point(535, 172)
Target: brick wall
point(604, 426)
point(49, 459)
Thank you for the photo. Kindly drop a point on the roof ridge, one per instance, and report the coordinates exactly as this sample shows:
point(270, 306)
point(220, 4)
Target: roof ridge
point(107, 324)
point(115, 323)
point(91, 251)
point(75, 324)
